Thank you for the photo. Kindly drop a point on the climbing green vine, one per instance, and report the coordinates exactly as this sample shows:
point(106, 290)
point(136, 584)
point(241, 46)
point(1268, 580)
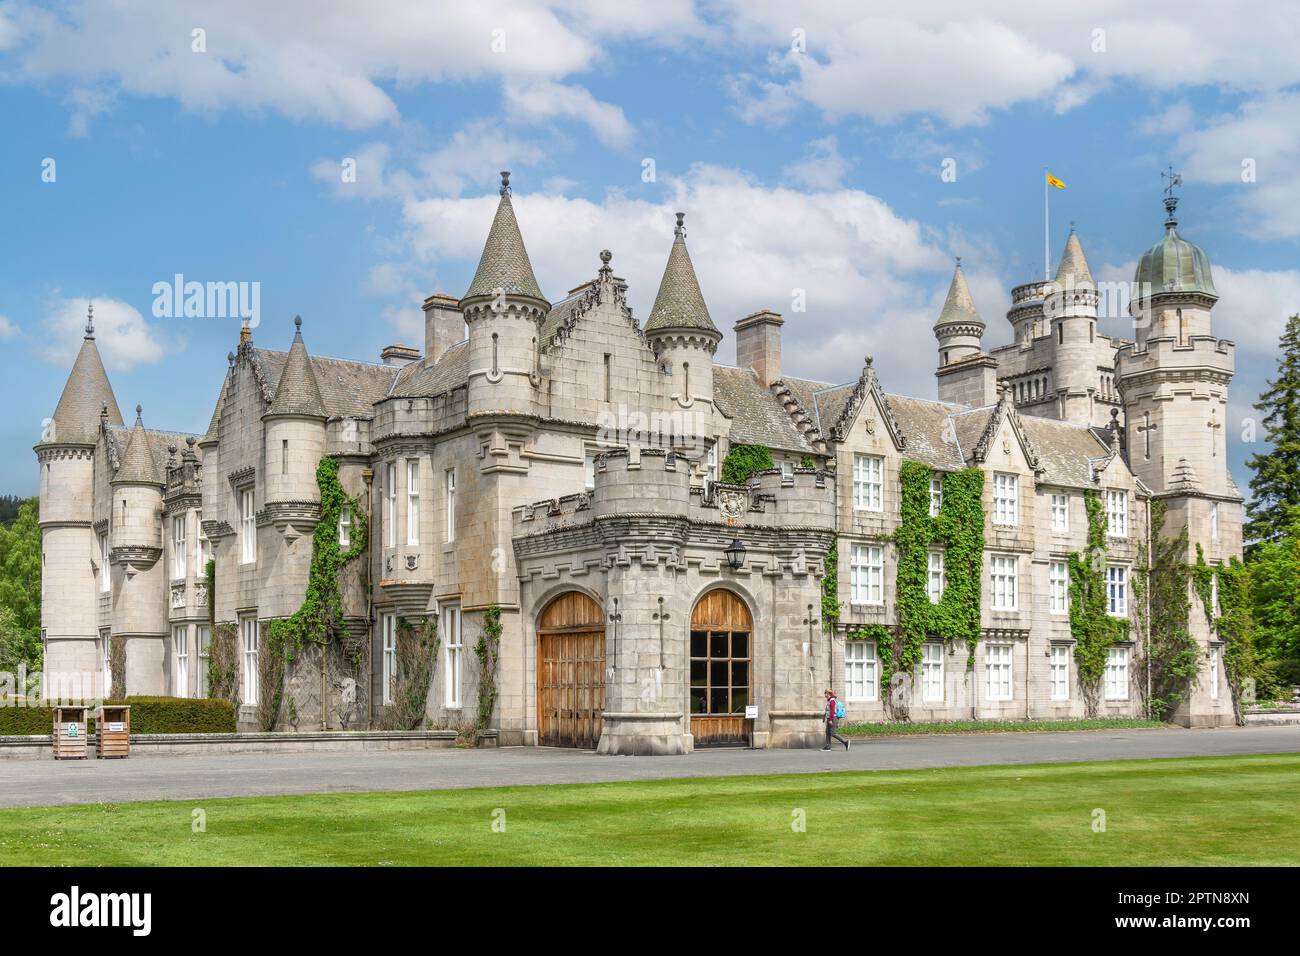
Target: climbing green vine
point(320, 619)
point(1232, 620)
point(743, 460)
point(486, 651)
point(416, 656)
point(1094, 631)
point(831, 586)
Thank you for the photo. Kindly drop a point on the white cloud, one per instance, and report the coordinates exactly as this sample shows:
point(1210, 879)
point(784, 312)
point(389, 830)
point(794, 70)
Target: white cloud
point(125, 340)
point(822, 167)
point(873, 280)
point(7, 329)
point(539, 101)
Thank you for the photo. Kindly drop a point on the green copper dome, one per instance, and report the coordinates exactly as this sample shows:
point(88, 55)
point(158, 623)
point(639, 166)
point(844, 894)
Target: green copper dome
point(1173, 264)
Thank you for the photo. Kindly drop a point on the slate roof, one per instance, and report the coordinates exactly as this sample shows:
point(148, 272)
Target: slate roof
point(347, 388)
point(757, 417)
point(141, 453)
point(1073, 270)
point(421, 380)
point(212, 434)
point(76, 417)
point(504, 263)
point(1064, 450)
point(297, 393)
point(679, 304)
point(959, 307)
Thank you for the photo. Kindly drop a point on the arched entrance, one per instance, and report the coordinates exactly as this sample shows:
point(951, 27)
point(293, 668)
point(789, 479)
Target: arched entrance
point(722, 650)
point(570, 672)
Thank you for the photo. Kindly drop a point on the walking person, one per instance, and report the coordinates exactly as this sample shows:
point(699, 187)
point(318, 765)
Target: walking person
point(834, 711)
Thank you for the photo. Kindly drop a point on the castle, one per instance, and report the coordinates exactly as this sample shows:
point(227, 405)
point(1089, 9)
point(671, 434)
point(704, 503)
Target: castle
point(549, 473)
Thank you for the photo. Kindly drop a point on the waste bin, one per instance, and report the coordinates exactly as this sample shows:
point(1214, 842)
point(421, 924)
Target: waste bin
point(70, 732)
point(113, 730)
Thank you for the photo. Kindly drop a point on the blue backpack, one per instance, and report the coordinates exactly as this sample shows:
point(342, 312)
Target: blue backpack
point(839, 709)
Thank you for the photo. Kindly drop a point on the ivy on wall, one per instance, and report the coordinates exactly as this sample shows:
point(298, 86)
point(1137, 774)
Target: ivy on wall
point(417, 655)
point(831, 586)
point(117, 666)
point(1171, 656)
point(1094, 631)
point(1232, 621)
point(486, 652)
point(959, 530)
point(320, 619)
point(743, 460)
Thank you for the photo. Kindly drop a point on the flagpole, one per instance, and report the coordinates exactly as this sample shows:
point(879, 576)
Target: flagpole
point(1047, 256)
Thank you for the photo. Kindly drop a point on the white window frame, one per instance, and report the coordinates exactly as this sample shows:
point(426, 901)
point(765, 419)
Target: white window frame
point(205, 554)
point(390, 502)
point(1214, 521)
point(1006, 498)
point(1214, 672)
point(1060, 513)
point(936, 495)
point(1116, 681)
point(932, 673)
point(249, 643)
point(1214, 593)
point(179, 548)
point(868, 482)
point(345, 526)
point(1058, 587)
point(247, 527)
point(413, 502)
point(711, 462)
point(589, 471)
point(106, 659)
point(861, 671)
point(105, 573)
point(1117, 514)
point(935, 575)
point(1060, 672)
point(998, 671)
point(1004, 581)
point(388, 629)
point(787, 469)
point(203, 644)
point(450, 484)
point(1116, 590)
point(866, 574)
point(181, 660)
point(453, 656)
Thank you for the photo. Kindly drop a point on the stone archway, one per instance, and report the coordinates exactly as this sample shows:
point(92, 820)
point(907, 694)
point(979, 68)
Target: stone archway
point(570, 672)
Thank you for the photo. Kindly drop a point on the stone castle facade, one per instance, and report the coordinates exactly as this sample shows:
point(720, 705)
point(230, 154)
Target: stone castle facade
point(560, 463)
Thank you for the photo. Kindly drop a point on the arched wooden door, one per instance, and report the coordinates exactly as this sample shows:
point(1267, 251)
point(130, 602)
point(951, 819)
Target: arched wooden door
point(722, 666)
point(570, 672)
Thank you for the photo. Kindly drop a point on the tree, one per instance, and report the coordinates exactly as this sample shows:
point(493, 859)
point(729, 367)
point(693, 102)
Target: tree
point(1275, 587)
point(743, 460)
point(1276, 485)
point(20, 588)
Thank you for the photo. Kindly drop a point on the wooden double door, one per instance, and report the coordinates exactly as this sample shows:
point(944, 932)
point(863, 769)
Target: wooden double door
point(571, 672)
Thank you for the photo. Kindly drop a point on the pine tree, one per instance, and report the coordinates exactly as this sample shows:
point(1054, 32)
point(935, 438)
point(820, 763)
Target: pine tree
point(1276, 484)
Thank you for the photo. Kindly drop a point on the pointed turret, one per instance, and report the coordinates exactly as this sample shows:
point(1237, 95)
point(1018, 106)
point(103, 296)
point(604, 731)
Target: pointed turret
point(1073, 272)
point(959, 307)
point(297, 394)
point(679, 329)
point(504, 264)
point(679, 303)
point(137, 466)
point(76, 418)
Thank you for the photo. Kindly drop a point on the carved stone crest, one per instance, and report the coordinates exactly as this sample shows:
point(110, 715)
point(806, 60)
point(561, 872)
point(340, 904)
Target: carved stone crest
point(870, 425)
point(733, 502)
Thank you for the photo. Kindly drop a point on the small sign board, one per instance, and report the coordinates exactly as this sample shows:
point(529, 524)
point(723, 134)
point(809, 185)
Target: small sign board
point(117, 727)
point(74, 730)
point(751, 712)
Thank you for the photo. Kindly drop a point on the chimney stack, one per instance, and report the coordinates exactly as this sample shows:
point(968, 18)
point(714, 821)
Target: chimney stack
point(758, 345)
point(399, 355)
point(444, 325)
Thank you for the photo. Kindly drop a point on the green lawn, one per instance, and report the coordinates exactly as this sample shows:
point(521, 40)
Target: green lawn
point(997, 726)
point(1212, 811)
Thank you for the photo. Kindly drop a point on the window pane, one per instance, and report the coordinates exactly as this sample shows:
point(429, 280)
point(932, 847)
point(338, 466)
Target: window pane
point(739, 698)
point(718, 673)
point(739, 644)
point(699, 673)
point(740, 673)
point(699, 644)
point(718, 644)
point(698, 701)
point(718, 701)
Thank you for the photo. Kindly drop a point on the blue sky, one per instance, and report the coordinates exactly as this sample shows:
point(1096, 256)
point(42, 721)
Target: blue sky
point(806, 145)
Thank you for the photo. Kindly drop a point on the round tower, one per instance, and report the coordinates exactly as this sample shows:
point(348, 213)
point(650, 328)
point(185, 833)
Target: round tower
point(71, 553)
point(295, 430)
point(959, 328)
point(504, 309)
point(680, 330)
point(1070, 308)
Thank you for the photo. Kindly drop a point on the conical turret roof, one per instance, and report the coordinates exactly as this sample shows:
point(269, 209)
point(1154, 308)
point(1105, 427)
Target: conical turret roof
point(1073, 271)
point(76, 417)
point(137, 467)
point(679, 303)
point(504, 264)
point(297, 392)
point(959, 307)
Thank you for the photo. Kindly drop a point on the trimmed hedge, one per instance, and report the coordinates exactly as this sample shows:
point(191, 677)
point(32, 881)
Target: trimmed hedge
point(149, 715)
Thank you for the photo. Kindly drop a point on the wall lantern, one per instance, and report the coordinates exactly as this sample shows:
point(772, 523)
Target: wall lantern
point(735, 553)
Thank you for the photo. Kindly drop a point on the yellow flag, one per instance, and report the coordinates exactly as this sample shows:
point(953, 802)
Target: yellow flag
point(1053, 181)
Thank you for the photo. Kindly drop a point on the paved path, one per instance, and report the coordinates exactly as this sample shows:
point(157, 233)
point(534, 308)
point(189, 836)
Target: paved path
point(50, 782)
